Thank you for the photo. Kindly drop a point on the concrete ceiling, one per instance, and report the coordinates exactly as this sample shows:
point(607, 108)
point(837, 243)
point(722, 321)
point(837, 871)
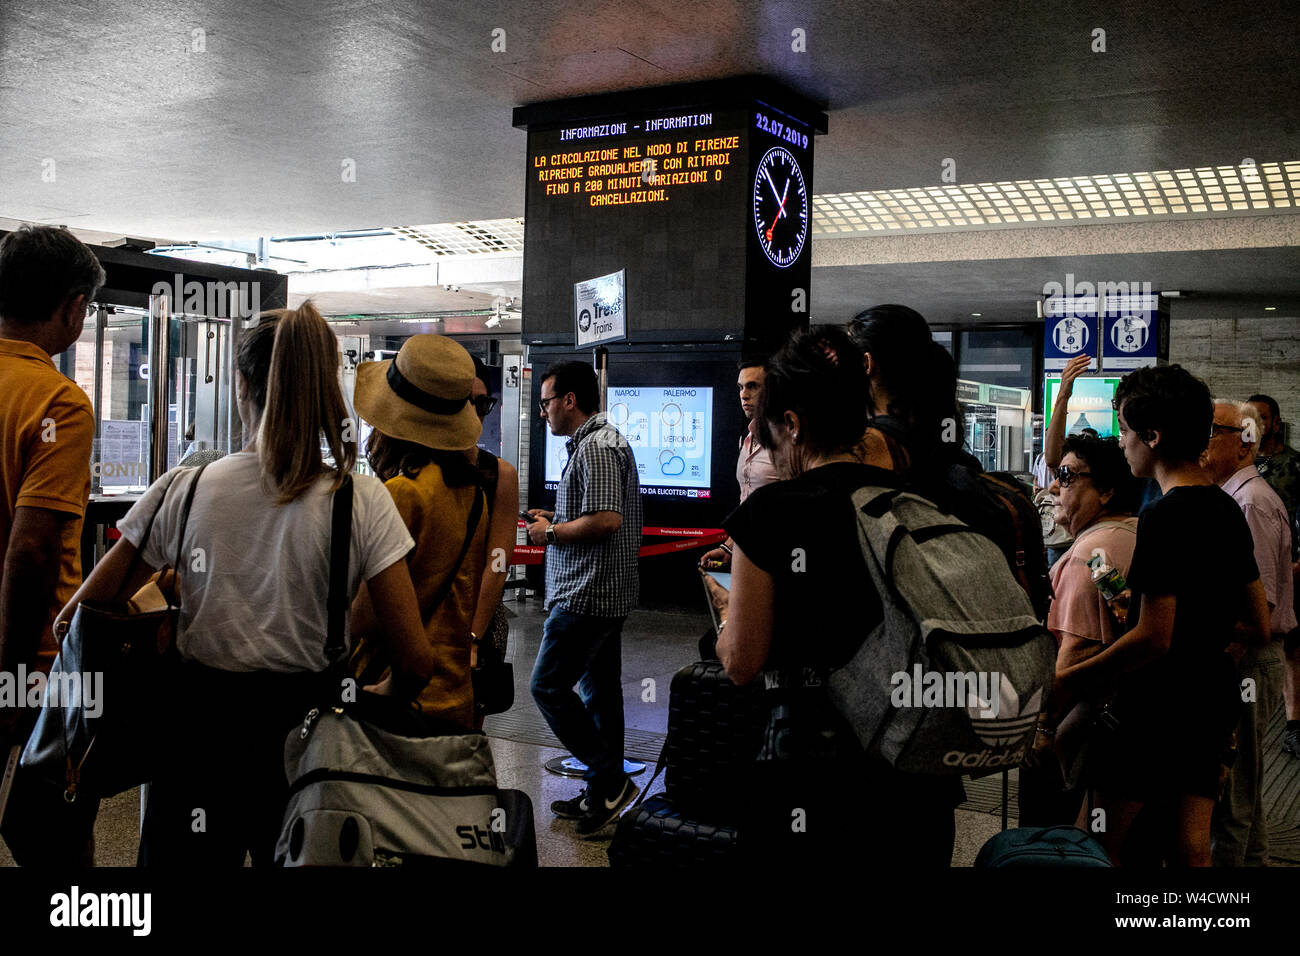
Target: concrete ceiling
point(248, 137)
point(113, 118)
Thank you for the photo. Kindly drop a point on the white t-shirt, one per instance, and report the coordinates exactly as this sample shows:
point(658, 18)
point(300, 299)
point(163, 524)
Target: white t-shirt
point(254, 597)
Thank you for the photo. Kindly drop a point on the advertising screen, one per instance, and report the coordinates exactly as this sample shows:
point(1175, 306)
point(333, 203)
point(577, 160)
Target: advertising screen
point(1089, 405)
point(670, 431)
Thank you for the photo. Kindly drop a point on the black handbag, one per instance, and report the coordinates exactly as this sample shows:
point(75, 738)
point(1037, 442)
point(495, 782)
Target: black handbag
point(493, 675)
point(106, 736)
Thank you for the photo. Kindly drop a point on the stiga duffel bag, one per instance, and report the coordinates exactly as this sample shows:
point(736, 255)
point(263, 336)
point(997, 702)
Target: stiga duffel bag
point(371, 785)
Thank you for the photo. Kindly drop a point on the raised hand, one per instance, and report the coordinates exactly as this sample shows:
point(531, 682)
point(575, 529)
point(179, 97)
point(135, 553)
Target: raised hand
point(1073, 369)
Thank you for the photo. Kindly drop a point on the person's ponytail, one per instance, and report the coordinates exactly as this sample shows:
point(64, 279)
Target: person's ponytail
point(303, 402)
point(934, 417)
point(918, 376)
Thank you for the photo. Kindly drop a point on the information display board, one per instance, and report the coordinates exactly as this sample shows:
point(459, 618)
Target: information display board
point(649, 194)
point(670, 431)
point(1134, 332)
point(701, 194)
point(1071, 331)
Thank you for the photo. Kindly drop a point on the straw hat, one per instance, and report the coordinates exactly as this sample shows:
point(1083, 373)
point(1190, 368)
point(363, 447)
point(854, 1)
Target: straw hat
point(422, 395)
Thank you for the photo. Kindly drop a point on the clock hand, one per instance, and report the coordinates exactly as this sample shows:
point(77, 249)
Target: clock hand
point(780, 212)
point(772, 184)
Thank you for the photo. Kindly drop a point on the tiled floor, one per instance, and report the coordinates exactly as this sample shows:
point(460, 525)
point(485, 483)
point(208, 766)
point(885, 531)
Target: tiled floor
point(655, 645)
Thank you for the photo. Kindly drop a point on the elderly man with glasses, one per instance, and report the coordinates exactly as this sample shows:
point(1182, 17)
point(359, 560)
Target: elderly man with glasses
point(1240, 831)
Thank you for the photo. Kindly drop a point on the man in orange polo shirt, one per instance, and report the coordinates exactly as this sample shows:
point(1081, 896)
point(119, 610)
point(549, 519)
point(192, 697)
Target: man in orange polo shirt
point(47, 281)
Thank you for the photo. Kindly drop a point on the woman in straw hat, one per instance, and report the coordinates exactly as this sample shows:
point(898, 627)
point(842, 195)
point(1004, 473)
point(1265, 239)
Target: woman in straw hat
point(423, 447)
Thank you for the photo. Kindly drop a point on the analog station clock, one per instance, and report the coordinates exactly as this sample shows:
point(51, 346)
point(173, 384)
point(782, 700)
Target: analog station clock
point(780, 207)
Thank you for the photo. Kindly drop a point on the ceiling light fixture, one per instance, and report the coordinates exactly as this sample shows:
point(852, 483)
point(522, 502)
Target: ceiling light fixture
point(1181, 192)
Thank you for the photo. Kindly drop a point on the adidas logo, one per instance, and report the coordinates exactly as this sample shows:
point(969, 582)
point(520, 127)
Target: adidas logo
point(985, 758)
point(1001, 722)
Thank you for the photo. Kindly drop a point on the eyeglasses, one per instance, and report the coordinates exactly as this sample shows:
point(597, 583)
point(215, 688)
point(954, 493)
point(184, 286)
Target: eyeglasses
point(546, 401)
point(1226, 428)
point(484, 405)
point(1066, 476)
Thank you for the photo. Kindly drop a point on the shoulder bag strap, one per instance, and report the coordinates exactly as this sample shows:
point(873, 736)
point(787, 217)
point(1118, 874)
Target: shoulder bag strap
point(144, 538)
point(490, 468)
point(336, 603)
point(173, 597)
point(475, 513)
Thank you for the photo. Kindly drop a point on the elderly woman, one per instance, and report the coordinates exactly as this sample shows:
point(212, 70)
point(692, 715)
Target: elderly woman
point(1096, 497)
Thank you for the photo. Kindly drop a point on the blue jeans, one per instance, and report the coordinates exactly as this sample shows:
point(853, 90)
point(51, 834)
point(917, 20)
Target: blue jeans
point(584, 650)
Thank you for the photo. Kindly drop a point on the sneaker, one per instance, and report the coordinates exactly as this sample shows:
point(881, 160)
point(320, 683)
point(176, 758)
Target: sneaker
point(605, 811)
point(1291, 743)
point(574, 809)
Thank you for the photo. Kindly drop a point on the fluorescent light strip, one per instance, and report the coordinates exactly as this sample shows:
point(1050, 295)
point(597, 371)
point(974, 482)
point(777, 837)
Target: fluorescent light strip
point(1158, 194)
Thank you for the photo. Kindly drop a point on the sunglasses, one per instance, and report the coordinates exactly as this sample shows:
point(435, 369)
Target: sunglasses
point(484, 405)
point(1066, 476)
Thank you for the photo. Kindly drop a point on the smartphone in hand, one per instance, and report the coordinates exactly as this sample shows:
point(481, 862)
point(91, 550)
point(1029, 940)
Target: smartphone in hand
point(527, 517)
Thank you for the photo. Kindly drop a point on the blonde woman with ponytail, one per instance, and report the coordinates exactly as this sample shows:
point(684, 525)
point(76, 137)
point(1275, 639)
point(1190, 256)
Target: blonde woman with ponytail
point(253, 596)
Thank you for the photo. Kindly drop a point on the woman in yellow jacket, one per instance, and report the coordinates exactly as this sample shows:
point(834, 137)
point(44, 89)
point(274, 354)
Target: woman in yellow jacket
point(423, 447)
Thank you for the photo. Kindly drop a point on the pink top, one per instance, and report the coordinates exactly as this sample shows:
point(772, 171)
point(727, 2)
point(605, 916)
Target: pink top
point(755, 468)
point(1271, 531)
point(1078, 609)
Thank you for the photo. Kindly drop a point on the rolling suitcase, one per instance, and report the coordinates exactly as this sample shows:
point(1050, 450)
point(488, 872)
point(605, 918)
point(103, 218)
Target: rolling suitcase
point(658, 833)
point(714, 732)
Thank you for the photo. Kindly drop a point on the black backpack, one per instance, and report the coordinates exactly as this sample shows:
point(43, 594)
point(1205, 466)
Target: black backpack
point(997, 505)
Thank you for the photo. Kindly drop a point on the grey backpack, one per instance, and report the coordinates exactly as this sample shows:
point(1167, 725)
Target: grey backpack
point(952, 680)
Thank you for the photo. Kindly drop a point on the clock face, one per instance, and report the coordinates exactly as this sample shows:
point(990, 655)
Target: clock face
point(780, 207)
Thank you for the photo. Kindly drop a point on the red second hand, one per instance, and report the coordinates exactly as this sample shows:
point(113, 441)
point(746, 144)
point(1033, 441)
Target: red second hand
point(780, 212)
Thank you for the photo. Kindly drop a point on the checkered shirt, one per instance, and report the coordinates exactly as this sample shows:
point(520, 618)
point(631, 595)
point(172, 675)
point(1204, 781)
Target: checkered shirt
point(598, 578)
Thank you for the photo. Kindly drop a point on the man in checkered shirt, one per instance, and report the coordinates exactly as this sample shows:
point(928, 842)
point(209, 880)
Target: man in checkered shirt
point(592, 540)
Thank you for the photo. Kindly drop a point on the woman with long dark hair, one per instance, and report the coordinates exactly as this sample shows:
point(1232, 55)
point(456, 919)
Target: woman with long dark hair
point(914, 426)
point(801, 601)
